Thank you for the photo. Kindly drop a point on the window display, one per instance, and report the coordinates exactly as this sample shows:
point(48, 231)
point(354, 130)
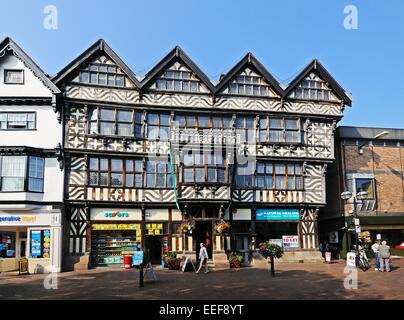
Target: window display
point(7, 245)
point(109, 246)
point(40, 244)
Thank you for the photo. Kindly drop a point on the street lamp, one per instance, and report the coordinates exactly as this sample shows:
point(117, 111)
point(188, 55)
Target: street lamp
point(346, 195)
point(378, 136)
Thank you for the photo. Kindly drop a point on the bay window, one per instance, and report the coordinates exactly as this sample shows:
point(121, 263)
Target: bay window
point(245, 129)
point(279, 176)
point(21, 173)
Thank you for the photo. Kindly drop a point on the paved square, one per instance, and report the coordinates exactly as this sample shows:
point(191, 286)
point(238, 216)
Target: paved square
point(292, 281)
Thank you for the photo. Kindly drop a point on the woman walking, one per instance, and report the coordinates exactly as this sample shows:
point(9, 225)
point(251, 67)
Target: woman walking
point(203, 256)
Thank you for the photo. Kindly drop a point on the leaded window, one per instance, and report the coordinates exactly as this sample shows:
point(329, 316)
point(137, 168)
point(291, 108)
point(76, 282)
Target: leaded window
point(14, 76)
point(245, 129)
point(158, 174)
point(313, 89)
point(272, 129)
point(102, 74)
point(279, 176)
point(174, 80)
point(158, 126)
point(204, 168)
point(203, 121)
point(249, 85)
point(115, 122)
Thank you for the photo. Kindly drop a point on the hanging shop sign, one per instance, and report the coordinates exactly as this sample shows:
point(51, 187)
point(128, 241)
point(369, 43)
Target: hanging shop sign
point(41, 219)
point(290, 242)
point(115, 226)
point(277, 214)
point(154, 229)
point(103, 214)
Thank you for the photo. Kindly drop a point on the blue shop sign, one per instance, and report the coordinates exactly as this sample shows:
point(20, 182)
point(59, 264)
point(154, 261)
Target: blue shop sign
point(277, 214)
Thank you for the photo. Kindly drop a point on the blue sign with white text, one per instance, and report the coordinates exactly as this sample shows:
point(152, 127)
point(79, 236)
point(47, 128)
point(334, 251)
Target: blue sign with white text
point(277, 214)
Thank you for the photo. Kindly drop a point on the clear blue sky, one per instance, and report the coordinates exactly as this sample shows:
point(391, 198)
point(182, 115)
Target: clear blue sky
point(284, 35)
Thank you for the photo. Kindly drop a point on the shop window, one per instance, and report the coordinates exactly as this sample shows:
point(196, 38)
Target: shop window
point(21, 173)
point(365, 185)
point(7, 244)
point(40, 241)
point(115, 122)
point(17, 120)
point(274, 230)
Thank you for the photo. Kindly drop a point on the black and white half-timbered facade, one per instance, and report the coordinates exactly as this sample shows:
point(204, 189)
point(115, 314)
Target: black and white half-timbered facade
point(166, 161)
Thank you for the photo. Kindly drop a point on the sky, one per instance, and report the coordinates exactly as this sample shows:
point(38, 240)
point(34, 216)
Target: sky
point(284, 35)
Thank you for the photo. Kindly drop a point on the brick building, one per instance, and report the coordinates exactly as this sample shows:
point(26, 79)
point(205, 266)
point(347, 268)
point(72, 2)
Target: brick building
point(371, 160)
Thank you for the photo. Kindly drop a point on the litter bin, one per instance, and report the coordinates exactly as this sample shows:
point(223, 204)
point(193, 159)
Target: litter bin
point(127, 261)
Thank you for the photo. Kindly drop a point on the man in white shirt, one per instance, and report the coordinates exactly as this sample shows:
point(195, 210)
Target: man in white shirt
point(375, 248)
point(203, 256)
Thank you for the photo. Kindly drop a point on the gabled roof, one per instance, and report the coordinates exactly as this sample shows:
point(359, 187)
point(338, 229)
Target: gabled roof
point(99, 46)
point(250, 59)
point(9, 45)
point(315, 65)
point(177, 53)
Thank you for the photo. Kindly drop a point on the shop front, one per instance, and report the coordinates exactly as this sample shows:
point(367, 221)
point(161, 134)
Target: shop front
point(35, 236)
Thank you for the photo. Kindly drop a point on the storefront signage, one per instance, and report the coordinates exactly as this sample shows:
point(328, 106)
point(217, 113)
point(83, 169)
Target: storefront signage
point(277, 214)
point(42, 219)
point(278, 242)
point(137, 258)
point(35, 243)
point(290, 242)
point(115, 214)
point(154, 229)
point(115, 226)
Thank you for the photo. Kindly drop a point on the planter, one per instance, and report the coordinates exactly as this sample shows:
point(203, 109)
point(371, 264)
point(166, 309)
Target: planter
point(174, 263)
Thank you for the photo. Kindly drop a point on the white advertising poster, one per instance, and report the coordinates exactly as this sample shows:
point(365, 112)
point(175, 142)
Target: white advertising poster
point(16, 220)
point(290, 242)
point(350, 259)
point(103, 214)
point(333, 237)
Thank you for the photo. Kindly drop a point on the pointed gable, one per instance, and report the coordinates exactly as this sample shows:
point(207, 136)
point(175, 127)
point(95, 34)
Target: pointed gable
point(98, 65)
point(20, 76)
point(176, 72)
point(315, 83)
point(249, 78)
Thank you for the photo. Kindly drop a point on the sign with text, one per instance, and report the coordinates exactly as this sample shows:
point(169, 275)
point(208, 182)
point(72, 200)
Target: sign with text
point(41, 219)
point(115, 214)
point(137, 258)
point(278, 214)
point(290, 242)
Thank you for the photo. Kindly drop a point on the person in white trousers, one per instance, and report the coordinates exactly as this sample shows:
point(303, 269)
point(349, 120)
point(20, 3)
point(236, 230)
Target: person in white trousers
point(203, 256)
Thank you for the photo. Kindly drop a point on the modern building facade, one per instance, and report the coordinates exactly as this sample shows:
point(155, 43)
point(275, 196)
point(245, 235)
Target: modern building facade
point(371, 160)
point(31, 164)
point(157, 163)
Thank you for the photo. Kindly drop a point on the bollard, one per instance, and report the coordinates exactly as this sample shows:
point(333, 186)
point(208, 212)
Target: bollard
point(141, 284)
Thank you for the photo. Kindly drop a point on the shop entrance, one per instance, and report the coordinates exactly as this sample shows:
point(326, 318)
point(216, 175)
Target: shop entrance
point(154, 249)
point(203, 234)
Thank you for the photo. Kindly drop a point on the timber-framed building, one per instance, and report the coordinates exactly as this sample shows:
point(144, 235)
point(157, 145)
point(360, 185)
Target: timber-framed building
point(144, 161)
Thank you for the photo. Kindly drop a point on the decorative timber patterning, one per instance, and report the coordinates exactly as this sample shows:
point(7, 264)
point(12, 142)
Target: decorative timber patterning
point(222, 193)
point(77, 178)
point(308, 228)
point(314, 184)
point(102, 94)
point(130, 195)
point(77, 231)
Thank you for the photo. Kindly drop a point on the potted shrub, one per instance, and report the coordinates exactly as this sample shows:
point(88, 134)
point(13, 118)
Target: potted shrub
point(271, 251)
point(235, 260)
point(173, 262)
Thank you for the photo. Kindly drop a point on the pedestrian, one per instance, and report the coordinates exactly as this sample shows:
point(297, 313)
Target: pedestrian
point(375, 248)
point(322, 249)
point(384, 252)
point(203, 256)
